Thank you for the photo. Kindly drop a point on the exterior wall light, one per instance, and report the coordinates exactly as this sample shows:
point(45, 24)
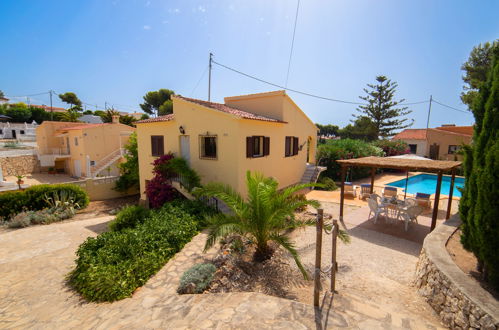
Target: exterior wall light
point(181, 129)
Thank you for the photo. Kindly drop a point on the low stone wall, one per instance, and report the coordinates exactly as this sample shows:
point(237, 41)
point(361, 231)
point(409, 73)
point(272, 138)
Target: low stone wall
point(19, 165)
point(459, 300)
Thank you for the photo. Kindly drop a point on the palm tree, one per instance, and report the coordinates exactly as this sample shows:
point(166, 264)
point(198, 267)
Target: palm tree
point(267, 215)
point(70, 115)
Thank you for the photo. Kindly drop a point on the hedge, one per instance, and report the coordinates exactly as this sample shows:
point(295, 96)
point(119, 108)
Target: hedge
point(334, 150)
point(33, 198)
point(114, 264)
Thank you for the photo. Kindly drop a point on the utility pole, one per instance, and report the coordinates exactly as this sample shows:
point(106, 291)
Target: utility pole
point(51, 109)
point(209, 77)
point(429, 111)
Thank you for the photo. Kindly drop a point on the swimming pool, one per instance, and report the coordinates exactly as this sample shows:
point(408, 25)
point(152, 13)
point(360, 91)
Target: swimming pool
point(427, 183)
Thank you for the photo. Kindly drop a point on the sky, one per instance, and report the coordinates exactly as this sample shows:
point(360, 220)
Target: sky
point(114, 51)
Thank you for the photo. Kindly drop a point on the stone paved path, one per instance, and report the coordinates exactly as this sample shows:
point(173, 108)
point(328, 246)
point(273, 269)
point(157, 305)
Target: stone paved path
point(33, 293)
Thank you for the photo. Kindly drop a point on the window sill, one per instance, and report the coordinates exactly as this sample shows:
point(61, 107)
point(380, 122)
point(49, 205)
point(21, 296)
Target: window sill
point(209, 158)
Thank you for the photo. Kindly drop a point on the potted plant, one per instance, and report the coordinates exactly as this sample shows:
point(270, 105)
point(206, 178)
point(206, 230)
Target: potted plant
point(20, 180)
point(51, 170)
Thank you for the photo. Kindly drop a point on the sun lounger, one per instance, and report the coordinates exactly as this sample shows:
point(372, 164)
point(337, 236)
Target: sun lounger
point(349, 189)
point(365, 190)
point(389, 192)
point(423, 199)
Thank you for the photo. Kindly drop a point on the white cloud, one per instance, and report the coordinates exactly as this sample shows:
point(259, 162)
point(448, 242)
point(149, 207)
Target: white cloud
point(201, 9)
point(174, 11)
point(147, 27)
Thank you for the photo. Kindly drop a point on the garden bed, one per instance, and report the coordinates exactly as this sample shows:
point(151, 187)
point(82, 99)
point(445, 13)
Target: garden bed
point(467, 261)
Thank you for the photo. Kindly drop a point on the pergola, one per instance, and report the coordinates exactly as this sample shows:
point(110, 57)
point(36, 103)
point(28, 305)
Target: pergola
point(420, 165)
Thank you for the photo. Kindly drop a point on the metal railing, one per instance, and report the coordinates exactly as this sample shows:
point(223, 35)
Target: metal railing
point(103, 162)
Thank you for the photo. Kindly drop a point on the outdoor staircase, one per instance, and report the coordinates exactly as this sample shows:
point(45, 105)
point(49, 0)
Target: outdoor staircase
point(312, 173)
point(107, 161)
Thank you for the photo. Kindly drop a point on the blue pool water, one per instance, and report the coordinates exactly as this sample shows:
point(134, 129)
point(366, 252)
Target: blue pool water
point(427, 183)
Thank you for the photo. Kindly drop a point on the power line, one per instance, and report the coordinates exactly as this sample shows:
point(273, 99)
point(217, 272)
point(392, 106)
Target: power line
point(24, 96)
point(197, 84)
point(292, 42)
point(448, 106)
point(300, 92)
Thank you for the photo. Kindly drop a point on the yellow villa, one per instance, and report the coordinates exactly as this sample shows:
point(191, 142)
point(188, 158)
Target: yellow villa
point(264, 132)
point(82, 150)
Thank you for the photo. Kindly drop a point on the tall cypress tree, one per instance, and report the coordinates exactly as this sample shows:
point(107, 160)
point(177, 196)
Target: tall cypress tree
point(382, 109)
point(478, 207)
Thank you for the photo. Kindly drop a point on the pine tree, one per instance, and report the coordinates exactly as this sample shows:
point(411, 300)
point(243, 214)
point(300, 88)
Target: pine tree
point(478, 207)
point(382, 109)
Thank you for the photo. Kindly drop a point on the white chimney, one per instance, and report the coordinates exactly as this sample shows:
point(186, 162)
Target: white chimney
point(116, 119)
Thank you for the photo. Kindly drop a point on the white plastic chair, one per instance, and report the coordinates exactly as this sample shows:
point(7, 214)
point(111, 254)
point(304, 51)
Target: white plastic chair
point(392, 212)
point(374, 208)
point(411, 214)
point(389, 192)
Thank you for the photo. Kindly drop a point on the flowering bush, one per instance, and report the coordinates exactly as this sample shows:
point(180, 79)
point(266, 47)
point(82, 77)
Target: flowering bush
point(392, 147)
point(159, 190)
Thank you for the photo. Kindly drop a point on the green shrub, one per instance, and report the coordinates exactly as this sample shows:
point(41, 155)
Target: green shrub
point(334, 150)
point(12, 202)
point(199, 210)
point(35, 198)
point(112, 265)
point(129, 217)
point(200, 276)
point(27, 218)
point(328, 184)
point(392, 147)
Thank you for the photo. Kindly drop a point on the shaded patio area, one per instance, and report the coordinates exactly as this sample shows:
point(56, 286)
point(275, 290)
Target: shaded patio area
point(427, 165)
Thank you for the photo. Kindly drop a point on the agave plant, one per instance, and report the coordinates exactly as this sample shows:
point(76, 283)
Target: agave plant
point(265, 216)
point(62, 200)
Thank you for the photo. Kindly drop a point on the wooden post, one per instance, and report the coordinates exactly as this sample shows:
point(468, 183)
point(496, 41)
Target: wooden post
point(437, 200)
point(334, 265)
point(406, 180)
point(373, 172)
point(451, 192)
point(342, 198)
point(318, 254)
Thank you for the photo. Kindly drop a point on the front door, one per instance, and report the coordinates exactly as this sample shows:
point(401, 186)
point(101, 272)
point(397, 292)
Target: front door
point(185, 149)
point(14, 134)
point(77, 165)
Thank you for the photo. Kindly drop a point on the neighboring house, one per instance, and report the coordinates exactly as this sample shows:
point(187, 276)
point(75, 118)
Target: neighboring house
point(437, 143)
point(48, 108)
point(91, 119)
point(4, 100)
point(264, 132)
point(82, 150)
point(18, 131)
point(136, 115)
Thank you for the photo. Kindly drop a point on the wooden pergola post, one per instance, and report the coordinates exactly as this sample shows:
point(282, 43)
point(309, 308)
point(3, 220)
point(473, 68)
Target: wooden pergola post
point(451, 192)
point(373, 173)
point(342, 198)
point(437, 200)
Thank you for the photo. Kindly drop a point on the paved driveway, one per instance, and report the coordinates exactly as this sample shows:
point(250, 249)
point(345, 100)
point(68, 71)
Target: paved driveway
point(33, 293)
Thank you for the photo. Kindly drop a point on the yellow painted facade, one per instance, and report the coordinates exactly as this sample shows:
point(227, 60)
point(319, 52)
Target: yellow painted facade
point(75, 146)
point(231, 131)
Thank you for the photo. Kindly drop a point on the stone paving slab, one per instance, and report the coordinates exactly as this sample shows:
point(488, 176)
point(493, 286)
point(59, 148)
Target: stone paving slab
point(33, 293)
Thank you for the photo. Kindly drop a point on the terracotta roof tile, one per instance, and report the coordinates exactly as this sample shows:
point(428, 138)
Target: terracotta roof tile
point(230, 110)
point(411, 134)
point(465, 130)
point(169, 117)
point(83, 126)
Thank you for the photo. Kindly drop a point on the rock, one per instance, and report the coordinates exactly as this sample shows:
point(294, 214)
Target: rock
point(190, 288)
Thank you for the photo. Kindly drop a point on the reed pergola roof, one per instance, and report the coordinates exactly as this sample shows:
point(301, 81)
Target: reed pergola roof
point(427, 165)
point(407, 164)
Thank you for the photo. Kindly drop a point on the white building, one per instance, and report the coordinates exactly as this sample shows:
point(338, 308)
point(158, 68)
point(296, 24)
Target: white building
point(17, 131)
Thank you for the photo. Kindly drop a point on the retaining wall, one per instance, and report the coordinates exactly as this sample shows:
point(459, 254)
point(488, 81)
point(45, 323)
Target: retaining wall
point(458, 299)
point(19, 165)
point(102, 188)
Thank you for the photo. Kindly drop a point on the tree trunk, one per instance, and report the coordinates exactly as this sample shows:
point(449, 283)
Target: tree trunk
point(263, 252)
